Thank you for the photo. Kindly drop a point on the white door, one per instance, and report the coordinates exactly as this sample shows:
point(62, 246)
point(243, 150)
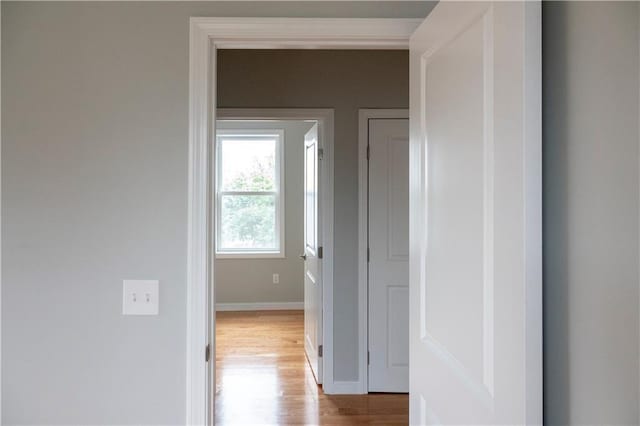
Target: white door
point(311, 257)
point(475, 196)
point(388, 255)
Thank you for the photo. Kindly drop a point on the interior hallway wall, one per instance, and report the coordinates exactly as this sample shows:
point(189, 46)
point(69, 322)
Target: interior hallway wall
point(251, 280)
point(590, 148)
point(345, 81)
point(94, 190)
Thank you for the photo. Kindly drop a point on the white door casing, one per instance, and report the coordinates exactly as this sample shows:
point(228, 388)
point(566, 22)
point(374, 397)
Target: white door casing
point(388, 266)
point(475, 197)
point(207, 34)
point(312, 269)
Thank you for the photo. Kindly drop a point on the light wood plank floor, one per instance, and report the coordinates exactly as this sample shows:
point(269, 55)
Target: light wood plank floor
point(263, 378)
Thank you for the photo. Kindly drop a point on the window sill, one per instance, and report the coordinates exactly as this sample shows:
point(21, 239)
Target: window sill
point(250, 255)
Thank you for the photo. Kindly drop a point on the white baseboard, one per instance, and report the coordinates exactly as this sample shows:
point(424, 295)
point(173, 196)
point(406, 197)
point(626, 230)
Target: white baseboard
point(344, 388)
point(268, 306)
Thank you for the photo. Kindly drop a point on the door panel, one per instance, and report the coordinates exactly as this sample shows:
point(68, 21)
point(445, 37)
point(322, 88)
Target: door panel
point(312, 271)
point(462, 201)
point(389, 255)
point(475, 223)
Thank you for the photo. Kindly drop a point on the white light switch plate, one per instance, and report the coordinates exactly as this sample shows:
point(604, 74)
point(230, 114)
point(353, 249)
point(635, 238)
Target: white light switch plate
point(140, 297)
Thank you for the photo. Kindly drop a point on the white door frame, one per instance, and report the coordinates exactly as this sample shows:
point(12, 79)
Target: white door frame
point(206, 36)
point(364, 115)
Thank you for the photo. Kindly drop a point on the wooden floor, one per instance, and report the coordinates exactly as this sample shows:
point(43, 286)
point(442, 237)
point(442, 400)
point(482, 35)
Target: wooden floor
point(263, 378)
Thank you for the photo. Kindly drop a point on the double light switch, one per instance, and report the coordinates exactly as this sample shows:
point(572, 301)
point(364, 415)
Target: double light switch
point(140, 297)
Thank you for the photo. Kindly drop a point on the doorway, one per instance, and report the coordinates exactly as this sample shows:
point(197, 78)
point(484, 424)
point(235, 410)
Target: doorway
point(384, 248)
point(271, 258)
point(296, 208)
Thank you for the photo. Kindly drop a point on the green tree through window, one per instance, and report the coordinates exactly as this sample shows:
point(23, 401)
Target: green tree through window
point(249, 193)
point(249, 220)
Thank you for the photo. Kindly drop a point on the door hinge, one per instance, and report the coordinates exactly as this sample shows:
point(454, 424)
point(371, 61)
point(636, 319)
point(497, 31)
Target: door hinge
point(368, 152)
point(207, 353)
point(320, 351)
point(368, 254)
point(320, 252)
point(368, 358)
point(320, 154)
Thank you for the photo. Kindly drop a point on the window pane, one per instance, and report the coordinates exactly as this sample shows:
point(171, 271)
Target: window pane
point(248, 222)
point(248, 164)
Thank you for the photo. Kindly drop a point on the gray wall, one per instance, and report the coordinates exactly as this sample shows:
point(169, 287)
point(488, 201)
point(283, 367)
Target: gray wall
point(251, 280)
point(590, 134)
point(345, 81)
point(94, 190)
point(94, 152)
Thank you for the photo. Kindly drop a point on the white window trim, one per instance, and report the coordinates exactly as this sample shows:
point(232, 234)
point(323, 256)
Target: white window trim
point(279, 194)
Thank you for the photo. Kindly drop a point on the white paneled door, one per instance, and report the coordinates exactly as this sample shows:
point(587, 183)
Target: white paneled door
point(312, 256)
point(388, 267)
point(475, 228)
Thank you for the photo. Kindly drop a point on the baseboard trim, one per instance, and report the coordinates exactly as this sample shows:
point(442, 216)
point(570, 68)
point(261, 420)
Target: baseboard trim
point(268, 306)
point(344, 388)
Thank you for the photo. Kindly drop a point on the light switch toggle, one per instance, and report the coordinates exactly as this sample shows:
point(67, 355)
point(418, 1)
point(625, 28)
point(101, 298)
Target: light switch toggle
point(140, 297)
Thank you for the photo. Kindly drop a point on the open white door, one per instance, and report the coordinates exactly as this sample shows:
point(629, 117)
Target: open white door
point(311, 256)
point(475, 216)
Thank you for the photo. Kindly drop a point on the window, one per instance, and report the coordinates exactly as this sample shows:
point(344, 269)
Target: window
point(250, 202)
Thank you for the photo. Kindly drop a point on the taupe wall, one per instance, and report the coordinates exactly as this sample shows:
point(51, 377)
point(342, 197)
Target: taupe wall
point(251, 280)
point(94, 190)
point(345, 81)
point(590, 104)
